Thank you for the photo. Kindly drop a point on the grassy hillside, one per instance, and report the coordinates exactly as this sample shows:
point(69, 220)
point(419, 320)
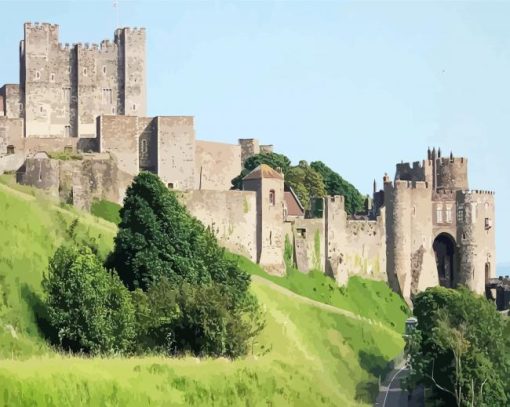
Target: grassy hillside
point(309, 353)
point(31, 228)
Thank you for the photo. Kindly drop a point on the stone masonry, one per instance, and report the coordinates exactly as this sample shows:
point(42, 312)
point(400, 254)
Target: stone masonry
point(424, 228)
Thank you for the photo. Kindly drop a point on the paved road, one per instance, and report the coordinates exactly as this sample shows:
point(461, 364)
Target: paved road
point(392, 395)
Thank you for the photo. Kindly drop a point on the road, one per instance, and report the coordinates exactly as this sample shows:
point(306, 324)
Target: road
point(391, 393)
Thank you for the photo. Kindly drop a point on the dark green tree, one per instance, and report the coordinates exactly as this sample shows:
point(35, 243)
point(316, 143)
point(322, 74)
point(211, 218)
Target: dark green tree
point(336, 185)
point(460, 348)
point(274, 160)
point(188, 296)
point(89, 308)
point(306, 183)
point(158, 238)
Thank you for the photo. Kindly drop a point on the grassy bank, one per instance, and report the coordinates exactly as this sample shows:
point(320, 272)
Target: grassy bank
point(307, 355)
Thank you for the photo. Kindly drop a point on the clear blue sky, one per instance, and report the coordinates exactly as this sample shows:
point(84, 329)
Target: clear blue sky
point(357, 85)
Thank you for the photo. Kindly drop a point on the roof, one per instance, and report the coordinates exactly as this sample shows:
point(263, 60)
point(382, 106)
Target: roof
point(263, 171)
point(294, 207)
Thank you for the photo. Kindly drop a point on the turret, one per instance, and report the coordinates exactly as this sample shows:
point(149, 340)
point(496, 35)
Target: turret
point(268, 184)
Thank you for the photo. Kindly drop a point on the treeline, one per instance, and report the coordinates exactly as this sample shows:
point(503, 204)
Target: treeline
point(307, 180)
point(166, 286)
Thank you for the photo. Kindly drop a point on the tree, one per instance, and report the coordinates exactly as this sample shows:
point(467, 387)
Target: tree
point(460, 348)
point(306, 183)
point(188, 296)
point(89, 308)
point(274, 160)
point(158, 238)
point(336, 185)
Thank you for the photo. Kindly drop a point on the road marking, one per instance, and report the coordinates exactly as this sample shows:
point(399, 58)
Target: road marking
point(389, 385)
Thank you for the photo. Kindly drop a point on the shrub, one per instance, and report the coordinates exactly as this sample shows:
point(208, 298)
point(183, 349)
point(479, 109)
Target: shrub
point(88, 307)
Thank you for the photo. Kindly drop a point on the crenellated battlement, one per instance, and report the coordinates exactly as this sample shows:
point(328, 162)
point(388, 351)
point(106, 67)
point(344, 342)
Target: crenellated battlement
point(452, 160)
point(477, 192)
point(336, 198)
point(402, 184)
point(41, 26)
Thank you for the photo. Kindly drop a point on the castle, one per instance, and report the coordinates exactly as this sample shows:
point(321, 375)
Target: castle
point(88, 102)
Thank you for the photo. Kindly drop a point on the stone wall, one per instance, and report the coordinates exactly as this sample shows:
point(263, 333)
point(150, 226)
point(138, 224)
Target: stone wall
point(119, 136)
point(13, 101)
point(309, 244)
point(231, 215)
point(353, 247)
point(176, 151)
point(77, 182)
point(216, 164)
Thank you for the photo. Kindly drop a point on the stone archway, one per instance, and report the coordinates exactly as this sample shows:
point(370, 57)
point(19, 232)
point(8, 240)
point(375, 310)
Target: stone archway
point(445, 252)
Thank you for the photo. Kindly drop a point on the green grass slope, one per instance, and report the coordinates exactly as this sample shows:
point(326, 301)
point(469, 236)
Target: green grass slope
point(314, 350)
point(31, 228)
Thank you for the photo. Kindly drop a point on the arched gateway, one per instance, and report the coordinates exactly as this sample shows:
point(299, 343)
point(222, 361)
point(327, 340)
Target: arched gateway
point(445, 252)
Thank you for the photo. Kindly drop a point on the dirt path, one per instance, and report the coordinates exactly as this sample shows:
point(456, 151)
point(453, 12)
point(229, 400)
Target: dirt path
point(321, 305)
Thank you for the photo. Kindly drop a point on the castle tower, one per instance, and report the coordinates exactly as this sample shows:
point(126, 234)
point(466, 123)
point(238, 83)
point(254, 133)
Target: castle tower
point(268, 184)
point(476, 239)
point(131, 74)
point(65, 88)
point(398, 242)
point(451, 173)
point(249, 147)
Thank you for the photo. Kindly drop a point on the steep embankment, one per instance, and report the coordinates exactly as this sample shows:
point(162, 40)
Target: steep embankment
point(310, 353)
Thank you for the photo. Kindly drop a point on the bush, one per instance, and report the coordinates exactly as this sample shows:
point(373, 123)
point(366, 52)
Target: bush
point(88, 307)
point(195, 319)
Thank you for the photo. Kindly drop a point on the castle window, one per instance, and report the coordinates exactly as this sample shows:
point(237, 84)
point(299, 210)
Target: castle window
point(68, 69)
point(439, 213)
point(144, 146)
point(41, 109)
point(113, 110)
point(66, 95)
point(170, 185)
point(52, 77)
point(134, 107)
point(448, 214)
point(10, 150)
point(85, 71)
point(301, 232)
point(21, 107)
point(37, 75)
point(107, 97)
point(104, 70)
point(460, 215)
point(488, 223)
point(67, 130)
point(272, 197)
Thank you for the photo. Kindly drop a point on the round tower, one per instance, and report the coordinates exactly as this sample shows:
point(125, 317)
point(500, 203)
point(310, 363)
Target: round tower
point(398, 231)
point(451, 173)
point(475, 239)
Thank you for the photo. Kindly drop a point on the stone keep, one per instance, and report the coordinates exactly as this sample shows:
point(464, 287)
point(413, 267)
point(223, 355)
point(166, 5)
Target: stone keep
point(63, 88)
